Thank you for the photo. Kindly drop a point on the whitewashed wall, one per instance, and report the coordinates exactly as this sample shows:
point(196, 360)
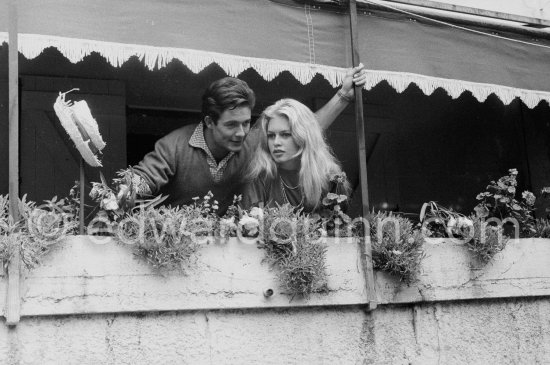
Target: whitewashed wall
point(499, 314)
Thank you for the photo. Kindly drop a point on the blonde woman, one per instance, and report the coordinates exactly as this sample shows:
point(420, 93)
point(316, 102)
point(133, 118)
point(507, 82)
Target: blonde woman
point(292, 163)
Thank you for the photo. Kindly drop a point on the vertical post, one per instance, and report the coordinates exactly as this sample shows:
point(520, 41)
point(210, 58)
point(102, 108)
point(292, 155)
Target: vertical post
point(361, 144)
point(81, 218)
point(13, 298)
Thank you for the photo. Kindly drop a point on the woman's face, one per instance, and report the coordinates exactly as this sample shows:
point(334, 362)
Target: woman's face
point(281, 145)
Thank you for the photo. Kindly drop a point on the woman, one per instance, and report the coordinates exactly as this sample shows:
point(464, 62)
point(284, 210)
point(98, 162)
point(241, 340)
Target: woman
point(292, 163)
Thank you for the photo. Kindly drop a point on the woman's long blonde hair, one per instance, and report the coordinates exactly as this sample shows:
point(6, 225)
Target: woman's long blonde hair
point(318, 163)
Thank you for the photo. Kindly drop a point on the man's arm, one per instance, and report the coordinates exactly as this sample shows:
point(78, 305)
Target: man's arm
point(156, 168)
point(332, 109)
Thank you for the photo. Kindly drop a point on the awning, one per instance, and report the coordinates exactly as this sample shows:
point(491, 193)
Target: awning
point(271, 38)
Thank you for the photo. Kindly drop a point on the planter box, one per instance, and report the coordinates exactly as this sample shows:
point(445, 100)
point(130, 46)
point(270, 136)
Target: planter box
point(449, 272)
point(81, 277)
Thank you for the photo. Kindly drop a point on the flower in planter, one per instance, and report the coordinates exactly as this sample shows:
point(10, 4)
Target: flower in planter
point(249, 226)
point(257, 213)
point(228, 228)
point(499, 202)
point(528, 197)
point(109, 203)
point(333, 205)
point(460, 227)
point(332, 213)
point(438, 221)
point(114, 203)
point(481, 211)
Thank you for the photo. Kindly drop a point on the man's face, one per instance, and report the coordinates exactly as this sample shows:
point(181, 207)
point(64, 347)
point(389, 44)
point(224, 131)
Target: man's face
point(231, 129)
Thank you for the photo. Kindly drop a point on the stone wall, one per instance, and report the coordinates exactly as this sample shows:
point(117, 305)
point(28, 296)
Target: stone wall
point(507, 331)
point(454, 313)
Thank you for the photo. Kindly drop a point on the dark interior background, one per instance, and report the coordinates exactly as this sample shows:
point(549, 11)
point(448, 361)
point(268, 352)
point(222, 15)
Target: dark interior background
point(420, 147)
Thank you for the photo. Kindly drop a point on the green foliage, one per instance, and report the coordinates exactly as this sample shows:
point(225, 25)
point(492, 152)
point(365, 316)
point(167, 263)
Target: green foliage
point(545, 193)
point(8, 232)
point(542, 228)
point(303, 271)
point(292, 243)
point(114, 203)
point(396, 245)
point(38, 228)
point(332, 212)
point(233, 211)
point(160, 238)
point(488, 240)
point(499, 202)
point(438, 221)
point(483, 239)
point(168, 238)
point(497, 212)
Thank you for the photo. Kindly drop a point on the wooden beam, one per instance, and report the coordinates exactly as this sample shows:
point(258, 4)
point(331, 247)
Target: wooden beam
point(82, 196)
point(13, 297)
point(361, 145)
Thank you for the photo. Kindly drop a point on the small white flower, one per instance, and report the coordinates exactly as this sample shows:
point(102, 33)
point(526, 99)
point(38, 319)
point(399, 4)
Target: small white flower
point(257, 213)
point(452, 223)
point(248, 221)
point(397, 252)
point(94, 193)
point(122, 190)
point(464, 222)
point(227, 225)
point(228, 222)
point(528, 197)
point(109, 203)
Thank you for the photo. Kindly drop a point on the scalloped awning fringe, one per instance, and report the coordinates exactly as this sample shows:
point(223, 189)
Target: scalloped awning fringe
point(32, 45)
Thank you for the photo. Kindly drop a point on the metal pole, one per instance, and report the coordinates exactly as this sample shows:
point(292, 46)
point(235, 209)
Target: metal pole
point(13, 298)
point(360, 131)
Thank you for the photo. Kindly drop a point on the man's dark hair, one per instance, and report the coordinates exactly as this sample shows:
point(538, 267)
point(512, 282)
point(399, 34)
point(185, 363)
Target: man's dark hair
point(226, 93)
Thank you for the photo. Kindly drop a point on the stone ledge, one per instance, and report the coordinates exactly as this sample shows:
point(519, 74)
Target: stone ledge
point(449, 272)
point(81, 277)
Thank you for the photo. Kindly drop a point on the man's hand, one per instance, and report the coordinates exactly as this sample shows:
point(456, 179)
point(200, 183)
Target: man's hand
point(354, 77)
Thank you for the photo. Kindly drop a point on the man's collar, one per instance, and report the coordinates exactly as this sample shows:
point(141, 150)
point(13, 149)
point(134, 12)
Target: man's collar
point(197, 140)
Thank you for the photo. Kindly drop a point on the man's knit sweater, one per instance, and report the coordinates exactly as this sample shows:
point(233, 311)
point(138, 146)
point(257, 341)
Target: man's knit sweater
point(178, 169)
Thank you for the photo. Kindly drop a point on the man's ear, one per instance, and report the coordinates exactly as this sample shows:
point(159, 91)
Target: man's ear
point(209, 122)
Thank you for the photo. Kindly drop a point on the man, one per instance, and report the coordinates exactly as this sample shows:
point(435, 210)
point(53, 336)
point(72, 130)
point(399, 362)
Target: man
point(211, 156)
